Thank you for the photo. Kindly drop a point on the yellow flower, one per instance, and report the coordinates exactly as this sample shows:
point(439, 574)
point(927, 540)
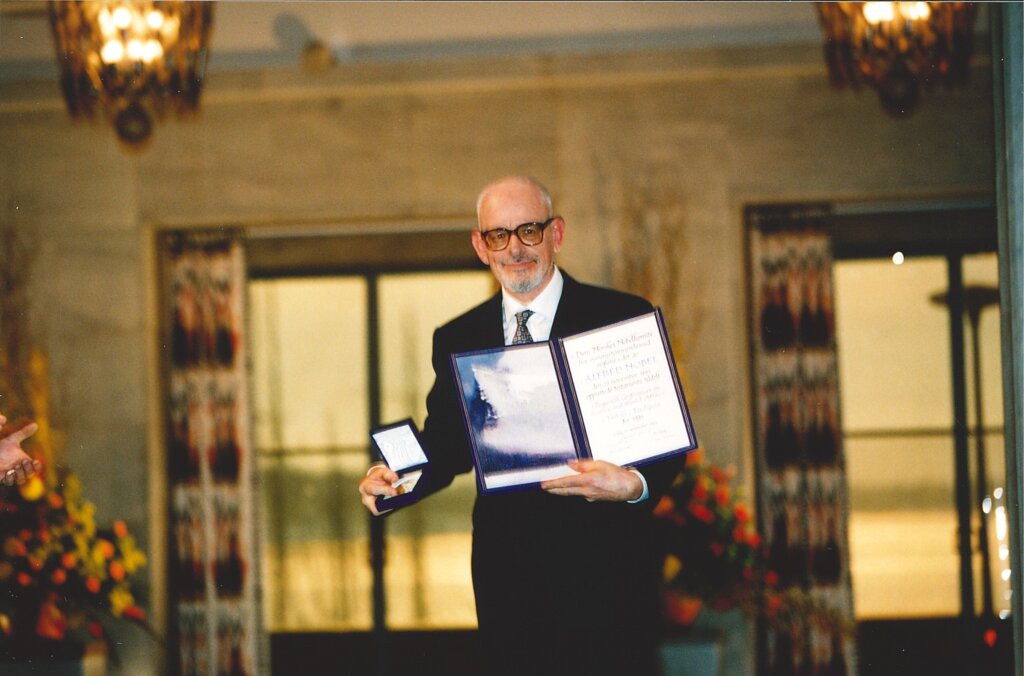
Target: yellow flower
point(33, 489)
point(120, 598)
point(672, 566)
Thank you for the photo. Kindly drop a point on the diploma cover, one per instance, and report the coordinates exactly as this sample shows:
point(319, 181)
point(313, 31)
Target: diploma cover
point(612, 394)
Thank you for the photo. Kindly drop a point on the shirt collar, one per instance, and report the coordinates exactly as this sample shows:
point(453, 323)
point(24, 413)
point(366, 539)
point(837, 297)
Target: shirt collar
point(545, 304)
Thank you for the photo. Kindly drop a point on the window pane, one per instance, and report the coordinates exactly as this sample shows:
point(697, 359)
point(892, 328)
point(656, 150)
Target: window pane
point(894, 368)
point(311, 420)
point(903, 556)
point(427, 575)
point(896, 393)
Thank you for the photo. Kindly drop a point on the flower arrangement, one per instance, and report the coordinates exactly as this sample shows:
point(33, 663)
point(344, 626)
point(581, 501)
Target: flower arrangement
point(715, 557)
point(714, 554)
point(60, 573)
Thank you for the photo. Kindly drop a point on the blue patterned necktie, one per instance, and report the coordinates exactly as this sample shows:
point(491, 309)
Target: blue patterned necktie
point(522, 333)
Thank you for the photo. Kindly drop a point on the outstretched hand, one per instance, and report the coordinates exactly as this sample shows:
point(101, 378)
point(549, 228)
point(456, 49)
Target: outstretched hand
point(377, 482)
point(597, 480)
point(15, 464)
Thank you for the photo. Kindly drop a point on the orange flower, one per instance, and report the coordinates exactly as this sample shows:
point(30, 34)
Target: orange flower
point(68, 560)
point(56, 501)
point(92, 584)
point(134, 613)
point(700, 491)
point(120, 528)
point(742, 512)
point(52, 624)
point(722, 496)
point(44, 536)
point(35, 563)
point(106, 548)
point(5, 624)
point(116, 571)
point(664, 506)
point(59, 576)
point(14, 547)
point(695, 457)
point(24, 579)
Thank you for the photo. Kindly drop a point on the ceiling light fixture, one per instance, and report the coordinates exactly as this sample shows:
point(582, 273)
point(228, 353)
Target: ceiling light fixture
point(897, 47)
point(132, 61)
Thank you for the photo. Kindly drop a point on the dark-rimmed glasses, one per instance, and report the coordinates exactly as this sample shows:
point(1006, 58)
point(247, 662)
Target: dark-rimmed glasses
point(530, 234)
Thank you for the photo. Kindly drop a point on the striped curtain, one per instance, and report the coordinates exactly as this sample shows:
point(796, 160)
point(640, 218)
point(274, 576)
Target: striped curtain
point(802, 493)
point(212, 569)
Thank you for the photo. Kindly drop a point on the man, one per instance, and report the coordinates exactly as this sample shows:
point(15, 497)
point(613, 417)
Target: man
point(565, 578)
point(15, 465)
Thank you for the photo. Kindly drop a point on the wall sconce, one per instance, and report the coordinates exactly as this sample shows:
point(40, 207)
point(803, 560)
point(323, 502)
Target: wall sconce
point(897, 47)
point(134, 61)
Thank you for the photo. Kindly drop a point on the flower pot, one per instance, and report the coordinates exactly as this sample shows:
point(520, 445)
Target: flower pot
point(90, 664)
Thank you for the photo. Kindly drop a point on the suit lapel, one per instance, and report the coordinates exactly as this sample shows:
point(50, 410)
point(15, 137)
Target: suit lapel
point(565, 321)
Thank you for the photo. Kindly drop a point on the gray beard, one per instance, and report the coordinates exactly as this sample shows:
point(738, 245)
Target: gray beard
point(526, 285)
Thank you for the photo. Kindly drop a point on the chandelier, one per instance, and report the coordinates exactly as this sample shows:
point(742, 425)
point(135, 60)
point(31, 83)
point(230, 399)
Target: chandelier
point(897, 47)
point(131, 61)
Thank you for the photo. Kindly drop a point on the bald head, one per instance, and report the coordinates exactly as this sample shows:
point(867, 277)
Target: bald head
point(506, 204)
point(502, 185)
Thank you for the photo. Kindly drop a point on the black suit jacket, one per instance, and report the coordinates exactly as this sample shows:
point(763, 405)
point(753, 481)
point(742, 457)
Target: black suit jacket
point(557, 579)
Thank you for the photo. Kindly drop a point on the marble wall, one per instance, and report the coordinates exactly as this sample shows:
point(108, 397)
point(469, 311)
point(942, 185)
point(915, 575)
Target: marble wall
point(651, 158)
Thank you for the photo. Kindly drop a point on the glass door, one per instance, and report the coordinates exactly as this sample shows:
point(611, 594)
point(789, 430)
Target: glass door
point(331, 354)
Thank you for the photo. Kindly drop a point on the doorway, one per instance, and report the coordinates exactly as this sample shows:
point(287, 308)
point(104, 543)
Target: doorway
point(337, 350)
point(919, 356)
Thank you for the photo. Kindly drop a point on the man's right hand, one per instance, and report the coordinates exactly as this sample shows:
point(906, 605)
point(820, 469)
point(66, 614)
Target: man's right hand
point(377, 482)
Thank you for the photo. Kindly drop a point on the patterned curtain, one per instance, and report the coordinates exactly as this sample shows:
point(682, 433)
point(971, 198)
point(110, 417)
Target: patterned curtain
point(215, 613)
point(802, 494)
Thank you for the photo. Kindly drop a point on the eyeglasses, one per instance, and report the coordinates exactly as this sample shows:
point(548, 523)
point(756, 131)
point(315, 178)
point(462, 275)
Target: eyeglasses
point(530, 234)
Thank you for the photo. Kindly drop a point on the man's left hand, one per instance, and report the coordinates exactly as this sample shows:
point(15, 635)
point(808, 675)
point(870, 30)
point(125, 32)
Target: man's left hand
point(597, 480)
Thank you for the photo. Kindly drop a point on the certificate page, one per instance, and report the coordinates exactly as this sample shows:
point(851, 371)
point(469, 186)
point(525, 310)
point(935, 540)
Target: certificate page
point(626, 391)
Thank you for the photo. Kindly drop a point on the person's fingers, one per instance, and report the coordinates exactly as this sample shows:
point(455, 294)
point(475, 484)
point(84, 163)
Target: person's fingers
point(24, 433)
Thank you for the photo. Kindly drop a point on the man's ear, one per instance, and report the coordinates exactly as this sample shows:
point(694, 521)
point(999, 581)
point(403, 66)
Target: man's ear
point(557, 229)
point(480, 248)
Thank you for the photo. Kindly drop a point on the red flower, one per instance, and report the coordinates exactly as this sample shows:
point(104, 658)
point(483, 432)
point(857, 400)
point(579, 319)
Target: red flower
point(59, 576)
point(771, 578)
point(92, 584)
point(717, 548)
point(68, 560)
point(24, 579)
point(25, 534)
point(702, 512)
point(35, 564)
point(742, 512)
point(56, 501)
point(134, 613)
point(700, 491)
point(754, 539)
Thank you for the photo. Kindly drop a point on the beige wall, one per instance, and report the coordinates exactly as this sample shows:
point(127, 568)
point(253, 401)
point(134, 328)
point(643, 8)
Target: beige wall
point(651, 158)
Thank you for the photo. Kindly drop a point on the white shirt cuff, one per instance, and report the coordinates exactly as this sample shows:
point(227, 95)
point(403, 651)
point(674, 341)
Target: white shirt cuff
point(646, 494)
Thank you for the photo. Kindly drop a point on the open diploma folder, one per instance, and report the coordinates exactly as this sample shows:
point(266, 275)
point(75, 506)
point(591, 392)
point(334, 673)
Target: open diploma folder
point(400, 446)
point(609, 394)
